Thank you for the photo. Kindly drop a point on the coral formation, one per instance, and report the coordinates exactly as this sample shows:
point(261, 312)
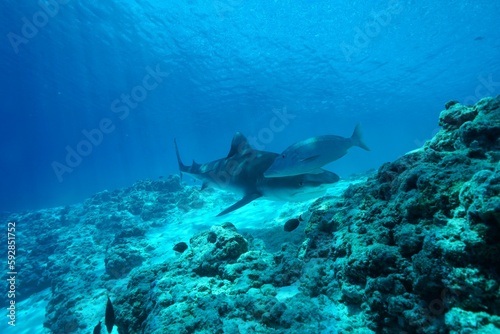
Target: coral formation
point(411, 248)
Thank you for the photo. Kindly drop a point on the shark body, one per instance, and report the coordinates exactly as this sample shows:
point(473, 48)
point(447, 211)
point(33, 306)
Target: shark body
point(242, 171)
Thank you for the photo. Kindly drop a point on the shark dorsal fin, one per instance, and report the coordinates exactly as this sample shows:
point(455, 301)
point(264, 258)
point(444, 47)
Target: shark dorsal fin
point(238, 145)
point(195, 165)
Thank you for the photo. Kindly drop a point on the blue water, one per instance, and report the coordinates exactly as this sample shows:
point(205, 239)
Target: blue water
point(224, 66)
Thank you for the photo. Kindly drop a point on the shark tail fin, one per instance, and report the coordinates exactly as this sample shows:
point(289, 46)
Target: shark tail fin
point(357, 138)
point(182, 167)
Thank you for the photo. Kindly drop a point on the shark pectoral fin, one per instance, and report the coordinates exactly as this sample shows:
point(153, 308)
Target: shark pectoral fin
point(311, 158)
point(242, 202)
point(204, 185)
point(335, 177)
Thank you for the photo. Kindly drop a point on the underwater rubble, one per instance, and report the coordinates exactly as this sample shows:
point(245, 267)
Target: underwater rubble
point(414, 248)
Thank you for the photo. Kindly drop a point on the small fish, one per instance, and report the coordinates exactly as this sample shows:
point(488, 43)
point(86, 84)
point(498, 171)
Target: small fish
point(97, 328)
point(478, 38)
point(309, 155)
point(180, 247)
point(109, 319)
point(291, 224)
point(160, 177)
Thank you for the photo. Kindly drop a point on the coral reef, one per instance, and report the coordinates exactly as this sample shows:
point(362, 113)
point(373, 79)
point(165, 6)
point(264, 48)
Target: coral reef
point(417, 243)
point(412, 248)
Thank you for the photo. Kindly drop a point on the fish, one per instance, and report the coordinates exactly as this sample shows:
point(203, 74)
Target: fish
point(242, 171)
point(291, 225)
point(97, 328)
point(109, 319)
point(180, 247)
point(309, 155)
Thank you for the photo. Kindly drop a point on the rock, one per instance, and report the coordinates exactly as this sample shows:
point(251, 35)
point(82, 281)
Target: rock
point(461, 321)
point(121, 259)
point(424, 225)
point(481, 197)
point(455, 115)
point(411, 248)
point(215, 247)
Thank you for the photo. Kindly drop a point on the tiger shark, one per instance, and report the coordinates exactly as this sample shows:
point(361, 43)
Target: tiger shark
point(242, 171)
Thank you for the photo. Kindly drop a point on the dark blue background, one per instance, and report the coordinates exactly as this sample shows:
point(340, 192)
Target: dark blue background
point(230, 64)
